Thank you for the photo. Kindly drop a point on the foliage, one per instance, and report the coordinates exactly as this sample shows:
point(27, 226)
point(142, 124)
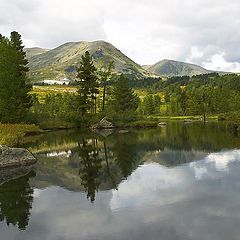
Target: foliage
point(233, 119)
point(88, 84)
point(202, 95)
point(150, 104)
point(15, 99)
point(124, 98)
point(124, 101)
point(57, 110)
point(105, 75)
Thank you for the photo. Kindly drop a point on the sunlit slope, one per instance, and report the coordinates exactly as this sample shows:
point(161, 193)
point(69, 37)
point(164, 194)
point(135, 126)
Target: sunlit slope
point(62, 61)
point(31, 52)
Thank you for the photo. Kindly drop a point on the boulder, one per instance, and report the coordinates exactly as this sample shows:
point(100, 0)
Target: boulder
point(15, 157)
point(103, 124)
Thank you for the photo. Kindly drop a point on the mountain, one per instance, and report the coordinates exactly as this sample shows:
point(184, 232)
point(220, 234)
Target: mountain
point(30, 52)
point(172, 68)
point(61, 62)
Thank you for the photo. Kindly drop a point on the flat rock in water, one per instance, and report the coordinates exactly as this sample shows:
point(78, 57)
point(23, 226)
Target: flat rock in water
point(15, 157)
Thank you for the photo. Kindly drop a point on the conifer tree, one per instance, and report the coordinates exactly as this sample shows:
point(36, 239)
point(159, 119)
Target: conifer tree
point(88, 84)
point(148, 105)
point(22, 61)
point(15, 100)
point(124, 98)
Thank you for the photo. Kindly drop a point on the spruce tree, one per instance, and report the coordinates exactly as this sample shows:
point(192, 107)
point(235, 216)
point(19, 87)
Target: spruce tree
point(148, 105)
point(15, 100)
point(22, 61)
point(88, 84)
point(124, 98)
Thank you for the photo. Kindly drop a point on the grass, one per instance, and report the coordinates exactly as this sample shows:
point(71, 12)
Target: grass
point(42, 91)
point(13, 134)
point(145, 123)
point(182, 118)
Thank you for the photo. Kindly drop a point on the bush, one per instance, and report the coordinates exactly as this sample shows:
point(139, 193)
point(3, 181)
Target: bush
point(233, 119)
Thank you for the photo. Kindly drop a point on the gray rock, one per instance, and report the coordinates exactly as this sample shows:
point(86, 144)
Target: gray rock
point(103, 124)
point(8, 174)
point(15, 157)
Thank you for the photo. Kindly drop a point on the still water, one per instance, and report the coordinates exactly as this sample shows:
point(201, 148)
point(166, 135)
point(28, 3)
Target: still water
point(175, 182)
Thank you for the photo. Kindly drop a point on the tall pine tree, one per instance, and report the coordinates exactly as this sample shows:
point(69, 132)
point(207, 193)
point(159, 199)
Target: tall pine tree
point(88, 84)
point(22, 61)
point(15, 100)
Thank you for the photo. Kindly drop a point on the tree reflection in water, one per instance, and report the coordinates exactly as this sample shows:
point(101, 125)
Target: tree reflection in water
point(90, 167)
point(16, 197)
point(100, 165)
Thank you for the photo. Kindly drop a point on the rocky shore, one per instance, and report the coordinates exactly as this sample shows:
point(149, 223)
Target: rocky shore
point(15, 157)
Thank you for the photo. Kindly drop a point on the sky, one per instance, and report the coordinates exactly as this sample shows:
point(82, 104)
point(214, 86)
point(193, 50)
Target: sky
point(204, 32)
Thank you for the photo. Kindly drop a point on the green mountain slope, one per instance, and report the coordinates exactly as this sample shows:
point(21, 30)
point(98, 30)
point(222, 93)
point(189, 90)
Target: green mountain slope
point(62, 61)
point(30, 52)
point(172, 68)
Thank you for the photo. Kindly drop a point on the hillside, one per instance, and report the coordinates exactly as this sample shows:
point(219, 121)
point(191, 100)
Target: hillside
point(174, 68)
point(62, 61)
point(30, 52)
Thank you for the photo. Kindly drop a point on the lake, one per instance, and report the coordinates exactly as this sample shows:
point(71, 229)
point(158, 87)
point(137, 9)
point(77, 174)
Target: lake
point(181, 181)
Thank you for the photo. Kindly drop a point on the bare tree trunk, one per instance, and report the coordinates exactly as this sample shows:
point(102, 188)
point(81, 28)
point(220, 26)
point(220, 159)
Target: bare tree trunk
point(104, 94)
point(95, 104)
point(204, 117)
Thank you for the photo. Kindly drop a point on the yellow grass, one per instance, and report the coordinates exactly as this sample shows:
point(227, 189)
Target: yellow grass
point(13, 134)
point(42, 91)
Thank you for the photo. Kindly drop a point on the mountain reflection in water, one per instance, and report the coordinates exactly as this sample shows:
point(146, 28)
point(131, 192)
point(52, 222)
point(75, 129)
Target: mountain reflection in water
point(176, 182)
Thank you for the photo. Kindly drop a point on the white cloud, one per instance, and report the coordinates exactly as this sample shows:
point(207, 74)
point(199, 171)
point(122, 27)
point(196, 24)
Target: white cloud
point(198, 31)
point(223, 159)
point(218, 63)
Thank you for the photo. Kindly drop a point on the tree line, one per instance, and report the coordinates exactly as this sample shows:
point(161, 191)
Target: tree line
point(199, 95)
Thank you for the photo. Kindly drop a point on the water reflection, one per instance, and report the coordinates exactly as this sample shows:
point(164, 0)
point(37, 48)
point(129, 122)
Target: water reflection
point(178, 182)
point(93, 162)
point(16, 197)
point(90, 167)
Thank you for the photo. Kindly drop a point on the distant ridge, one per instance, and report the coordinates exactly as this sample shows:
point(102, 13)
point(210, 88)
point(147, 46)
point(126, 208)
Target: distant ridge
point(172, 68)
point(61, 62)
